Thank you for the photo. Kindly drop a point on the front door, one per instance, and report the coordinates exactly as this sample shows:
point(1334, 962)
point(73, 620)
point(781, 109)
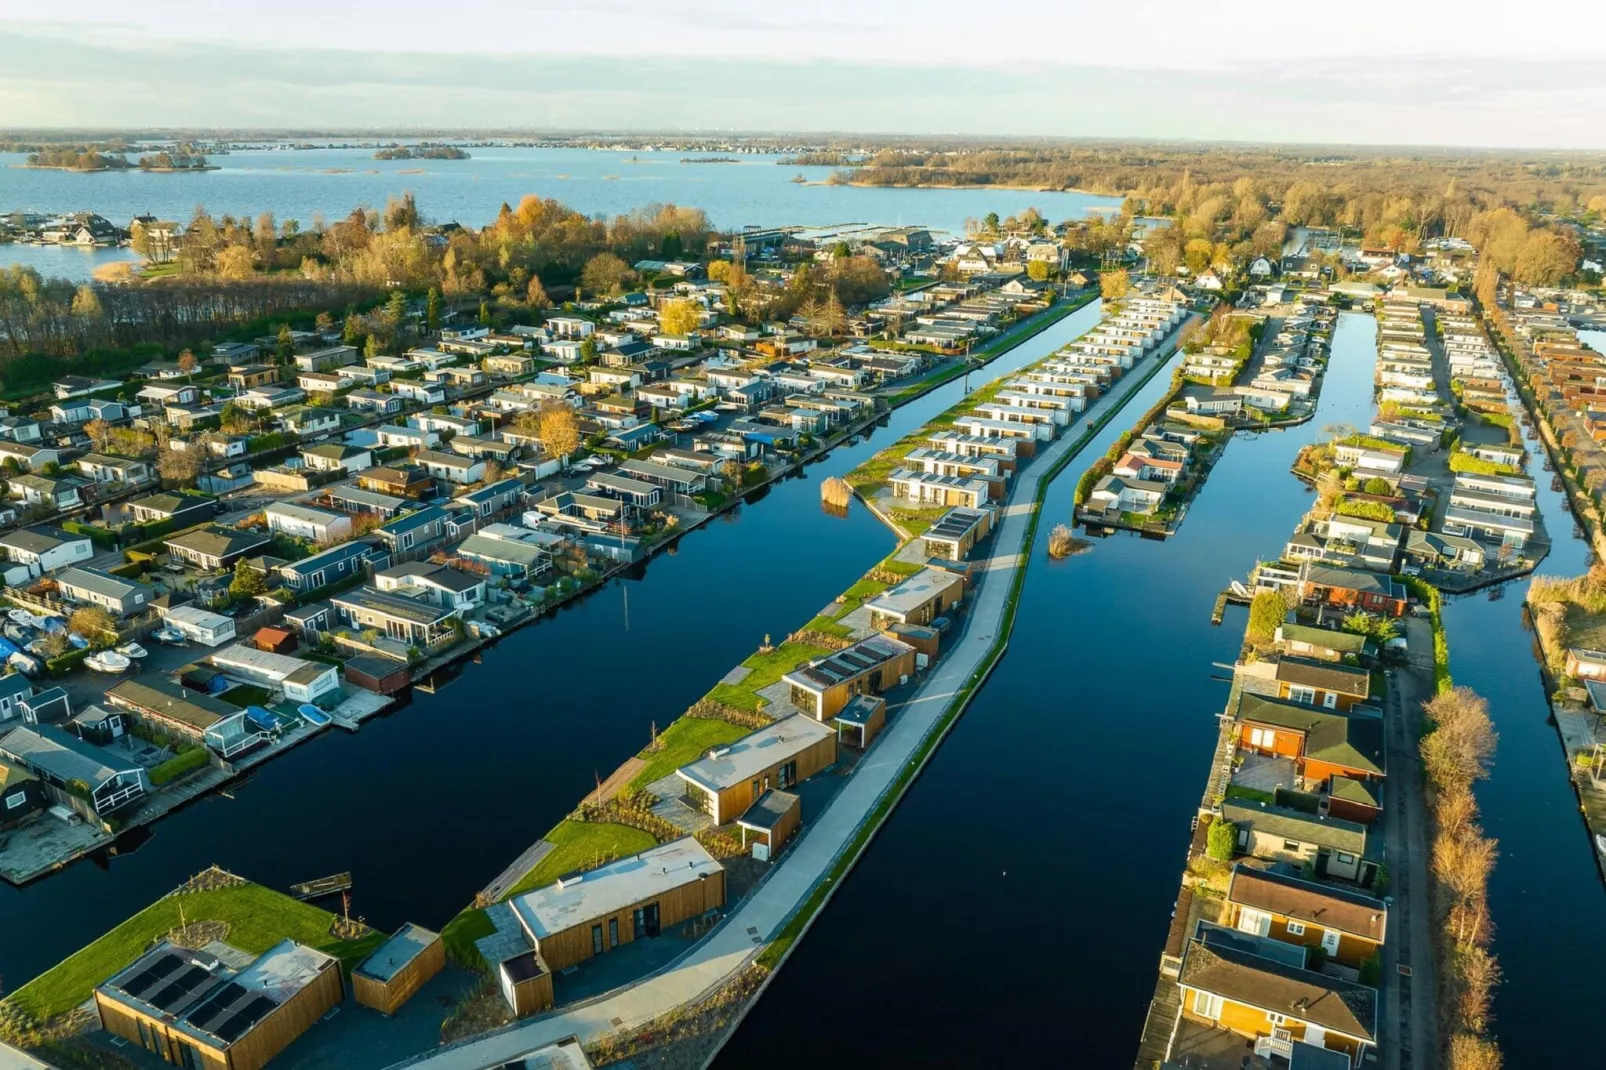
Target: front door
point(1330, 942)
point(649, 920)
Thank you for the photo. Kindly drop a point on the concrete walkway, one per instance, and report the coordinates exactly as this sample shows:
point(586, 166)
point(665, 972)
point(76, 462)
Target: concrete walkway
point(760, 917)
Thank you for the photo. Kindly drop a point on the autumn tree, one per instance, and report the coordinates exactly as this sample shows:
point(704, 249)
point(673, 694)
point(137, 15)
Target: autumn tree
point(187, 363)
point(680, 316)
point(606, 275)
point(92, 622)
point(558, 427)
point(179, 467)
point(1113, 285)
point(286, 344)
point(99, 432)
point(535, 295)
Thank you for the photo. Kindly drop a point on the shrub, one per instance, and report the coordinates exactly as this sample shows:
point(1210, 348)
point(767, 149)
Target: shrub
point(1267, 611)
point(66, 663)
point(177, 766)
point(1366, 510)
point(1461, 461)
point(1222, 840)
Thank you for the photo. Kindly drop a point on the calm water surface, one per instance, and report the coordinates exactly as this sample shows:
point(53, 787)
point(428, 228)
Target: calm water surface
point(1014, 907)
point(300, 185)
point(425, 805)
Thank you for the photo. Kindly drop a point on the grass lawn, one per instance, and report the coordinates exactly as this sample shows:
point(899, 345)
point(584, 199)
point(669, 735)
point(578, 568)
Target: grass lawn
point(1238, 791)
point(828, 626)
point(247, 695)
point(858, 595)
point(874, 472)
point(583, 845)
point(684, 741)
point(917, 521)
point(461, 932)
point(764, 670)
point(258, 918)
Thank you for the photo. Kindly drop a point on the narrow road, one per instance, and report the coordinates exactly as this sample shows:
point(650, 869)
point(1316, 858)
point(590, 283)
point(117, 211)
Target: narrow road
point(760, 917)
point(1409, 1038)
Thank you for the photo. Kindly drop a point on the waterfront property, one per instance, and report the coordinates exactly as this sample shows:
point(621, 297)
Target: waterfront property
point(824, 686)
point(1226, 985)
point(730, 778)
point(192, 1009)
point(635, 898)
point(200, 625)
point(86, 778)
point(1333, 846)
point(398, 968)
point(1347, 588)
point(1349, 927)
point(920, 599)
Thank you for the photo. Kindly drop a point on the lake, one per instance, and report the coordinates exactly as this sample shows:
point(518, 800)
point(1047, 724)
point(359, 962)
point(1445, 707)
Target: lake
point(301, 184)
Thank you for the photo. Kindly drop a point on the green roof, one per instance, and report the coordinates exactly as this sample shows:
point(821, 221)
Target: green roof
point(1353, 741)
point(1355, 791)
point(1327, 638)
point(1277, 821)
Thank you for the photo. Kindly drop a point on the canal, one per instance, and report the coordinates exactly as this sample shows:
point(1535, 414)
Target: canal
point(1545, 893)
point(1014, 907)
point(426, 804)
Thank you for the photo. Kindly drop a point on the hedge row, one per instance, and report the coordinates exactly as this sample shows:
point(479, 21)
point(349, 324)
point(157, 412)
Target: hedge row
point(177, 766)
point(66, 663)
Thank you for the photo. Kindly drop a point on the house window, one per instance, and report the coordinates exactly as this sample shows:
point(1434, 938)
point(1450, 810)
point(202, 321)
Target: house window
point(1207, 1005)
point(1275, 1019)
point(1345, 860)
point(1263, 737)
point(1290, 845)
point(1296, 928)
point(596, 939)
point(16, 800)
point(1302, 694)
point(613, 932)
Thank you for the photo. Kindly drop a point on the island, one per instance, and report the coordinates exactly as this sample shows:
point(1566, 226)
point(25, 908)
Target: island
point(709, 159)
point(421, 152)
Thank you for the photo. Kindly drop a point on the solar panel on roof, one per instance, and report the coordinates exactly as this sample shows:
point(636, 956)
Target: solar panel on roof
point(238, 1023)
point(215, 1006)
point(140, 982)
point(181, 986)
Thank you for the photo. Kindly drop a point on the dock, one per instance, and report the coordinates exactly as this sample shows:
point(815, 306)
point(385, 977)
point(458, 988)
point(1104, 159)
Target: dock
point(317, 889)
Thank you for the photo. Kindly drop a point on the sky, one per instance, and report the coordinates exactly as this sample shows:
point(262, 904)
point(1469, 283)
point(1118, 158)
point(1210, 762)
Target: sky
point(1472, 72)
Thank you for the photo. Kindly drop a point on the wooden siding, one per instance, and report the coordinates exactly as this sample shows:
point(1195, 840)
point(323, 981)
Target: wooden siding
point(1252, 1022)
point(833, 698)
point(388, 997)
point(253, 1050)
point(532, 995)
point(734, 800)
point(1286, 743)
point(563, 949)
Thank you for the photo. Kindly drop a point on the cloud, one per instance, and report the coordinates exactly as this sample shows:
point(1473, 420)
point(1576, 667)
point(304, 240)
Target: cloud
point(57, 79)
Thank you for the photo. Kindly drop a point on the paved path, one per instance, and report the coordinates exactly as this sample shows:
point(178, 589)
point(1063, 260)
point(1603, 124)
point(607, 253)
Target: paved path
point(1408, 1039)
point(757, 919)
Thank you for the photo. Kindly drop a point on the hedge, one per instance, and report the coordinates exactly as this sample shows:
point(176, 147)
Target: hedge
point(176, 767)
point(153, 546)
point(66, 663)
point(102, 538)
point(133, 570)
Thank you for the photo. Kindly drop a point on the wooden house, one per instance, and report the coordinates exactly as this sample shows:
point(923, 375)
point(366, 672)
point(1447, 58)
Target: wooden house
point(635, 898)
point(920, 599)
point(525, 982)
point(1348, 588)
point(1349, 927)
point(730, 778)
point(1322, 644)
point(823, 686)
point(192, 1010)
point(1327, 684)
point(398, 968)
point(1231, 988)
point(1323, 744)
point(1335, 847)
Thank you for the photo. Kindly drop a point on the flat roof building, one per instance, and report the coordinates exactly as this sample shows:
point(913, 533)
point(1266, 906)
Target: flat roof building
point(730, 778)
point(868, 667)
point(398, 968)
point(589, 913)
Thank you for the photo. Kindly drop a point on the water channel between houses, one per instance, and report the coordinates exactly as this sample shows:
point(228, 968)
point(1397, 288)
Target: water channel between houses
point(1014, 907)
point(425, 805)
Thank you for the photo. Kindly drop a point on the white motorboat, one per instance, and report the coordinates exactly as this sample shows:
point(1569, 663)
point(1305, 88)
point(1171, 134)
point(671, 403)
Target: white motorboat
point(22, 616)
point(168, 634)
point(132, 650)
point(107, 661)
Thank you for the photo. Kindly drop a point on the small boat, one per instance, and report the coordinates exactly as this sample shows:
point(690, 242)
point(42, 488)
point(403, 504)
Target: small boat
point(18, 634)
point(22, 616)
point(107, 661)
point(1600, 842)
point(263, 718)
point(132, 650)
point(24, 664)
point(313, 715)
point(316, 889)
point(168, 634)
point(78, 642)
point(37, 647)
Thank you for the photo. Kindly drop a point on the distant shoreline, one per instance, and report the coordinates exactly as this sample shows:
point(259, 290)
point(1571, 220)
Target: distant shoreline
point(103, 170)
point(972, 185)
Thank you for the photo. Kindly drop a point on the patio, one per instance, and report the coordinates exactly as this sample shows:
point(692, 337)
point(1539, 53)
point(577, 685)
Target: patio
point(1264, 772)
point(1197, 1046)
